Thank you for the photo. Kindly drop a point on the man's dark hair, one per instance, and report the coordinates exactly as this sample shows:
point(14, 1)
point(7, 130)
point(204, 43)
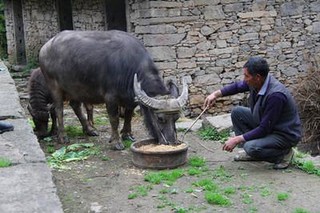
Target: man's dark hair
point(257, 65)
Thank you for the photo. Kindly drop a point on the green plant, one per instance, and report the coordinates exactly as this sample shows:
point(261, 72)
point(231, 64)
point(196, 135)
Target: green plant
point(167, 177)
point(217, 199)
point(246, 198)
point(127, 144)
point(282, 196)
point(265, 192)
point(209, 133)
point(305, 165)
point(5, 162)
point(101, 121)
point(196, 161)
point(300, 210)
point(206, 184)
point(74, 131)
point(141, 190)
point(230, 190)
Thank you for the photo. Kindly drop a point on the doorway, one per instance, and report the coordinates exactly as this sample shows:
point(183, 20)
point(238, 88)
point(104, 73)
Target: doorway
point(65, 14)
point(116, 15)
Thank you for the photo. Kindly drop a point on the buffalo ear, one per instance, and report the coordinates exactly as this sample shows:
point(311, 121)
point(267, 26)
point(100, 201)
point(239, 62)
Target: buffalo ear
point(173, 89)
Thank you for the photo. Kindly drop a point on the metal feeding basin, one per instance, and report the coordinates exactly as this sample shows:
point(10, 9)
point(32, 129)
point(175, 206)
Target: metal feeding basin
point(147, 154)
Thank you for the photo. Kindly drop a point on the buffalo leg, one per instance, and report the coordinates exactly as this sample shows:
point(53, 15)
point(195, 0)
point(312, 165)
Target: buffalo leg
point(53, 116)
point(87, 129)
point(113, 114)
point(126, 131)
point(58, 102)
point(89, 109)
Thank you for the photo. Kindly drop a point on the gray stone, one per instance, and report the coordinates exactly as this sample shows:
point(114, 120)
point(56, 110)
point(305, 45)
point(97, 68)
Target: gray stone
point(292, 8)
point(205, 30)
point(220, 122)
point(316, 27)
point(213, 12)
point(185, 52)
point(162, 53)
point(162, 40)
point(249, 36)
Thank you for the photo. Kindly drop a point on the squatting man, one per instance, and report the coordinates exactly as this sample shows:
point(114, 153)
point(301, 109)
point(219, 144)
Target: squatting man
point(267, 129)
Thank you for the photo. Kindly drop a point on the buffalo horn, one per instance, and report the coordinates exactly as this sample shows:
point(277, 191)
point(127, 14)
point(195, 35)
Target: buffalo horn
point(162, 104)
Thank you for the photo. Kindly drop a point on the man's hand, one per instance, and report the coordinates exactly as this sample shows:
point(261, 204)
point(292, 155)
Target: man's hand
point(211, 99)
point(232, 142)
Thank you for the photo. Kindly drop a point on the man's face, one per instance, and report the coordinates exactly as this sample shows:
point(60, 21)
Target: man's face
point(254, 81)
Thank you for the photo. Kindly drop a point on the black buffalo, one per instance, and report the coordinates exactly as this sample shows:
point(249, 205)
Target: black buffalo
point(41, 108)
point(111, 67)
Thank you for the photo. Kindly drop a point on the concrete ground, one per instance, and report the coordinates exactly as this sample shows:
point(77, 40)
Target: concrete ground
point(27, 185)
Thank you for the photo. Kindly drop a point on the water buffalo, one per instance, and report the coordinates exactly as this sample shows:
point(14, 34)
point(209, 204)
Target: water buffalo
point(41, 108)
point(100, 67)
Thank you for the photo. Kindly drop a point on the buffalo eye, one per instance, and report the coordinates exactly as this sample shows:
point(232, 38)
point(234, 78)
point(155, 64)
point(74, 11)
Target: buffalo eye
point(161, 118)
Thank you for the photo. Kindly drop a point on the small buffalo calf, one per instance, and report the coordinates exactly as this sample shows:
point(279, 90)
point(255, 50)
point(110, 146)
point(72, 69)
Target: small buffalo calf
point(41, 107)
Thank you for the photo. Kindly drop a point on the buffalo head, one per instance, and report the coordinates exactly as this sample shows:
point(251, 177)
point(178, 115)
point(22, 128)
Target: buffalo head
point(162, 112)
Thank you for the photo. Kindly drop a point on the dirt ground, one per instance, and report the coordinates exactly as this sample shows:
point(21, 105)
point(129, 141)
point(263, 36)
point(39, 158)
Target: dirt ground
point(103, 182)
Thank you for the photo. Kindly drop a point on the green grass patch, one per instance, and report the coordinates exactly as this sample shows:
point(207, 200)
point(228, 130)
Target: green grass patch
point(303, 164)
point(101, 121)
point(209, 133)
point(127, 143)
point(300, 210)
point(206, 184)
point(167, 177)
point(74, 131)
point(141, 190)
point(196, 161)
point(282, 196)
point(217, 199)
point(5, 162)
point(74, 152)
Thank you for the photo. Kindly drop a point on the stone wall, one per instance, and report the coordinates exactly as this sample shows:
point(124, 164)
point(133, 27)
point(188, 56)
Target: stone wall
point(209, 40)
point(205, 41)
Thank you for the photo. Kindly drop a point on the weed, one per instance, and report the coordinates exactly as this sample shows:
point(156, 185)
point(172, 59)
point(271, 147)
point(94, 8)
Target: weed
point(196, 161)
point(4, 162)
point(265, 192)
point(105, 158)
point(190, 190)
point(221, 173)
point(206, 184)
point(229, 190)
point(167, 177)
point(217, 199)
point(140, 190)
point(194, 171)
point(300, 210)
point(305, 165)
point(127, 143)
point(74, 131)
point(101, 121)
point(282, 196)
point(213, 134)
point(132, 195)
point(246, 198)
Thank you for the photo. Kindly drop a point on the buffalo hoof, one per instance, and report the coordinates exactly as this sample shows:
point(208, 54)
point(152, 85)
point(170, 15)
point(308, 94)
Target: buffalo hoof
point(64, 140)
point(92, 133)
point(128, 137)
point(119, 146)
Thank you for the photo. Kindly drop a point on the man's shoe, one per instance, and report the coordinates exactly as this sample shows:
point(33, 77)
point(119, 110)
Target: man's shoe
point(5, 127)
point(285, 162)
point(243, 156)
